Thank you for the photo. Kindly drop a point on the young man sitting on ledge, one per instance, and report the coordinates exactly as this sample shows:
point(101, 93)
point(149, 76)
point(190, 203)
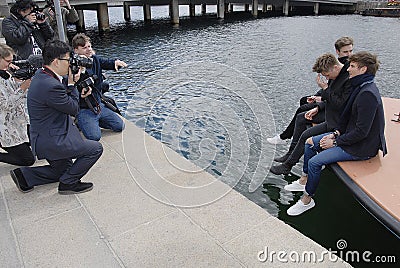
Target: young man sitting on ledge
point(360, 135)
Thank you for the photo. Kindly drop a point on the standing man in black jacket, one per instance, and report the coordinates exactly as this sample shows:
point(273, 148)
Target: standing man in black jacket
point(334, 96)
point(361, 133)
point(24, 31)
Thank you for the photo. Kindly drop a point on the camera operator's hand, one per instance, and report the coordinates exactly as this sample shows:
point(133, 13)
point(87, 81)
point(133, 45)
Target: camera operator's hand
point(65, 3)
point(31, 17)
point(119, 63)
point(73, 78)
point(13, 66)
point(86, 92)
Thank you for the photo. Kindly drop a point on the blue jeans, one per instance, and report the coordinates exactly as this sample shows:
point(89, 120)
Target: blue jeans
point(90, 123)
point(315, 157)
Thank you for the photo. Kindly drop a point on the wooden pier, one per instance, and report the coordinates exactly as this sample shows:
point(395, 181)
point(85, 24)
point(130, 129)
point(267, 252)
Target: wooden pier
point(256, 7)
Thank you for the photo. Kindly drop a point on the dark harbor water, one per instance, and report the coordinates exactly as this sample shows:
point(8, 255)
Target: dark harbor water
point(213, 91)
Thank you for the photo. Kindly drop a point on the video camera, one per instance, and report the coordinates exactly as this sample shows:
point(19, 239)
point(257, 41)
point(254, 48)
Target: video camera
point(27, 68)
point(77, 61)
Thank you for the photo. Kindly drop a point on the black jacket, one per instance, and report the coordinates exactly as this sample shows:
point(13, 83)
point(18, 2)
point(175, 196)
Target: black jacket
point(335, 97)
point(17, 32)
point(364, 134)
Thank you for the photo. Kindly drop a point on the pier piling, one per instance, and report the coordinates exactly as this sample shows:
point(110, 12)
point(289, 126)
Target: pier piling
point(220, 9)
point(102, 17)
point(147, 12)
point(254, 8)
point(127, 12)
point(174, 11)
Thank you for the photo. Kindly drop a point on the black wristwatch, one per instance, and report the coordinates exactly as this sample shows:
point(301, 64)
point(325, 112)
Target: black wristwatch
point(336, 134)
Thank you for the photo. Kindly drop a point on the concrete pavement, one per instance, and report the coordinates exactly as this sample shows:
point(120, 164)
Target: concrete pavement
point(150, 207)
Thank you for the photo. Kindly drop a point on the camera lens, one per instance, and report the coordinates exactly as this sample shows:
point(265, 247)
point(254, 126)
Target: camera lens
point(40, 16)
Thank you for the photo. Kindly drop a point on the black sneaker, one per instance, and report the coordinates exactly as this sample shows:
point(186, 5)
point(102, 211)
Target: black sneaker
point(282, 158)
point(282, 169)
point(75, 188)
point(20, 181)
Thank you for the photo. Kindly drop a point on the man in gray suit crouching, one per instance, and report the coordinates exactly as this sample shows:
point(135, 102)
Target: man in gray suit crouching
point(54, 136)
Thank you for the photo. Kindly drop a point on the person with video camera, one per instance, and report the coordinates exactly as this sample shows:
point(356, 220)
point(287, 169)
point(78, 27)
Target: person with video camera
point(95, 113)
point(68, 14)
point(13, 119)
point(26, 29)
point(54, 136)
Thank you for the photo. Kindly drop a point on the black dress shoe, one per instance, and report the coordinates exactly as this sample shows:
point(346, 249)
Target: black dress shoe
point(20, 181)
point(282, 158)
point(282, 169)
point(75, 188)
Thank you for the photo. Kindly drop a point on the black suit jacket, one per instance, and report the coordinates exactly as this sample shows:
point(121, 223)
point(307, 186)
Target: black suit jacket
point(54, 135)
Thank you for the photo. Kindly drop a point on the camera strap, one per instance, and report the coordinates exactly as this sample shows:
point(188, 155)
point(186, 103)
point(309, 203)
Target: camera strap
point(50, 72)
point(96, 109)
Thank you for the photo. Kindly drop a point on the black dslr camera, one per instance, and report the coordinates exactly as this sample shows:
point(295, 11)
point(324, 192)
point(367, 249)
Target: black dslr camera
point(38, 12)
point(84, 84)
point(77, 61)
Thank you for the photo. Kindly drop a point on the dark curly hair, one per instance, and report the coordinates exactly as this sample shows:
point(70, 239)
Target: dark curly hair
point(21, 5)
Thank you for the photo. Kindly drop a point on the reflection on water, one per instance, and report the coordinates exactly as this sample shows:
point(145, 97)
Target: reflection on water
point(220, 127)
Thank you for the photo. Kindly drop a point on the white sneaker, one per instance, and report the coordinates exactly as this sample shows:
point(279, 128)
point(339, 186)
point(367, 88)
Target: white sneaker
point(276, 140)
point(299, 208)
point(295, 186)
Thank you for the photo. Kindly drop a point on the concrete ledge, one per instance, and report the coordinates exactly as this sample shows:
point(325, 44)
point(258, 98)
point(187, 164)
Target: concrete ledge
point(144, 211)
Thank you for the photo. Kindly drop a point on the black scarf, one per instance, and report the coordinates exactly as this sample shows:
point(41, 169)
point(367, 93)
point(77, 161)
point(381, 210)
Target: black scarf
point(356, 83)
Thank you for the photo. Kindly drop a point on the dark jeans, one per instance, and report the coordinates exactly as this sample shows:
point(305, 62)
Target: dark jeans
point(19, 155)
point(90, 123)
point(290, 129)
point(298, 147)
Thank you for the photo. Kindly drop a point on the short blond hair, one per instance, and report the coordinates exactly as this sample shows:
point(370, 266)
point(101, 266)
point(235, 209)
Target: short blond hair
point(5, 51)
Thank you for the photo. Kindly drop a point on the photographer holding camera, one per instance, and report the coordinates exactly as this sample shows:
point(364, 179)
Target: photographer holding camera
point(68, 14)
point(26, 29)
point(54, 136)
point(94, 114)
point(13, 119)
